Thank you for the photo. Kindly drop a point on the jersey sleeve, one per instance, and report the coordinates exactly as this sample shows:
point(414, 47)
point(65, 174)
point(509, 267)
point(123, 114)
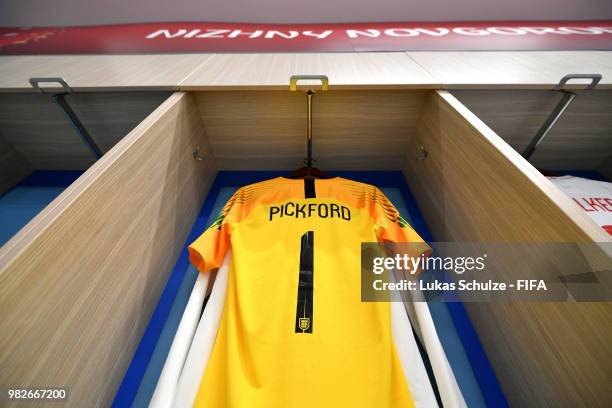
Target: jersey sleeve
point(392, 227)
point(207, 252)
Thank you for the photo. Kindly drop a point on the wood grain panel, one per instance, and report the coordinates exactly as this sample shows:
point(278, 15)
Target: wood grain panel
point(580, 140)
point(345, 70)
point(452, 70)
point(509, 69)
point(96, 72)
point(78, 284)
point(37, 128)
point(364, 130)
point(475, 187)
point(13, 166)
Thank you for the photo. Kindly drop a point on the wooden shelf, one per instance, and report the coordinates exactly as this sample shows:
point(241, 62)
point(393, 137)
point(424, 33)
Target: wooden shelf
point(100, 72)
point(525, 70)
point(422, 70)
point(272, 71)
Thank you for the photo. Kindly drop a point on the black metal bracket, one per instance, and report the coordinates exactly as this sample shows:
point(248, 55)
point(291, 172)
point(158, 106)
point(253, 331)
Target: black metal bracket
point(595, 78)
point(562, 105)
point(60, 99)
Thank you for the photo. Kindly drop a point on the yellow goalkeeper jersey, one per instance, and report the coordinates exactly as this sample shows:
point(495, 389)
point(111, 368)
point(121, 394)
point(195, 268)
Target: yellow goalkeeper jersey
point(294, 332)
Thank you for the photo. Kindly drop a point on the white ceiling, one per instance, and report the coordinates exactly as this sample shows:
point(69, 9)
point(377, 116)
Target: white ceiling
point(83, 12)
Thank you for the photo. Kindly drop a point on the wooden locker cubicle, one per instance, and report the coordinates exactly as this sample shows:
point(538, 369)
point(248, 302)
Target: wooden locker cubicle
point(480, 190)
point(127, 217)
point(79, 282)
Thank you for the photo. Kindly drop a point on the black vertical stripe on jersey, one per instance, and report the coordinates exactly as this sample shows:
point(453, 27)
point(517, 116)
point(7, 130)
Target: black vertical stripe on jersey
point(305, 283)
point(309, 188)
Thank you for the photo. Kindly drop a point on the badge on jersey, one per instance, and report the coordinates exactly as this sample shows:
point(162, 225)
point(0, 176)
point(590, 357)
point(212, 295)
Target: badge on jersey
point(304, 323)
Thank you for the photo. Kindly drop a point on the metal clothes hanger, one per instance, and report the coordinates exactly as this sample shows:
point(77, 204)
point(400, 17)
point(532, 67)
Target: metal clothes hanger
point(308, 171)
point(560, 108)
point(60, 99)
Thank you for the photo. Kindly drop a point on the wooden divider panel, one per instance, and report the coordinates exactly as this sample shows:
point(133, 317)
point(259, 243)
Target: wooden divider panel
point(474, 187)
point(79, 283)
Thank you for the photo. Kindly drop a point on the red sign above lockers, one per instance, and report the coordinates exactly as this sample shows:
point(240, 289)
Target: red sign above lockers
point(194, 37)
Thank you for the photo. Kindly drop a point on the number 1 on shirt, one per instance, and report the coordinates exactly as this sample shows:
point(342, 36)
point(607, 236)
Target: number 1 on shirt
point(303, 314)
